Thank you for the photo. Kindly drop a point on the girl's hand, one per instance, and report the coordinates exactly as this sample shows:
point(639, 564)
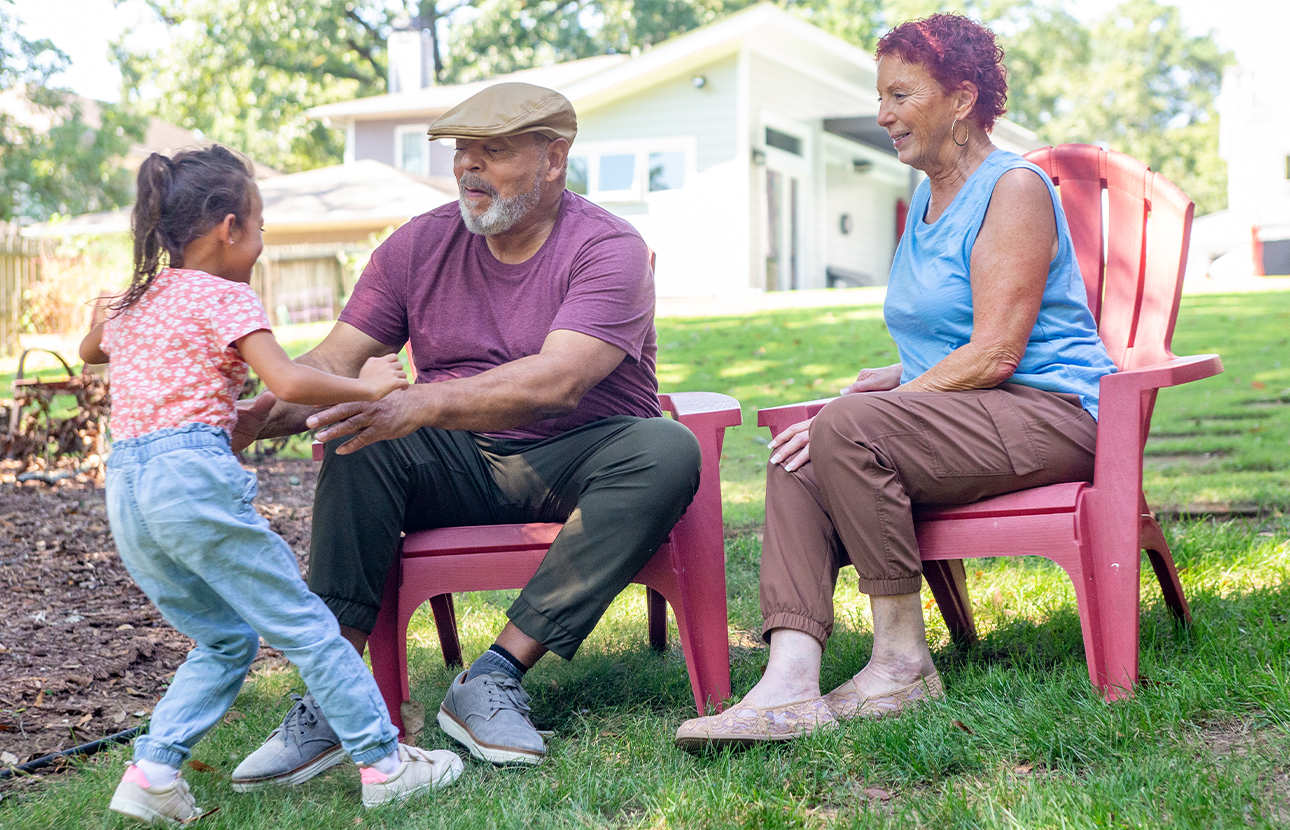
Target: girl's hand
point(383, 375)
point(875, 380)
point(791, 448)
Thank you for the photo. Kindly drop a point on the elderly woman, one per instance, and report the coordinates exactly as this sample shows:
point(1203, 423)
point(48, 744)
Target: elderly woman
point(996, 391)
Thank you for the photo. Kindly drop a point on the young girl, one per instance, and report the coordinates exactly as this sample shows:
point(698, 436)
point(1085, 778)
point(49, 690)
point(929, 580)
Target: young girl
point(179, 502)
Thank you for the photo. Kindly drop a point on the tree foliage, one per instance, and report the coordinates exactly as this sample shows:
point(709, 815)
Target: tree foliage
point(55, 157)
point(244, 71)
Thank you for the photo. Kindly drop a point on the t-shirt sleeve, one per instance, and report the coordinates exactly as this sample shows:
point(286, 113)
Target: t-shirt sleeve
point(236, 313)
point(378, 305)
point(611, 294)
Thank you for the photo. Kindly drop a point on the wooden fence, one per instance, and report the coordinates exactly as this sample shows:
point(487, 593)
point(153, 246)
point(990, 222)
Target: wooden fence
point(19, 268)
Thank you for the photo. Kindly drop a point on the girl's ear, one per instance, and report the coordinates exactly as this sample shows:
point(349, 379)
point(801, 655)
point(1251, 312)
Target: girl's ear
point(224, 230)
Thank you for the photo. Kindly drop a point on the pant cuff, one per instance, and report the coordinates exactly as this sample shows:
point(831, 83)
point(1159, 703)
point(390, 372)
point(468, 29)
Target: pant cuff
point(368, 756)
point(553, 636)
point(353, 614)
point(796, 621)
point(891, 587)
point(146, 749)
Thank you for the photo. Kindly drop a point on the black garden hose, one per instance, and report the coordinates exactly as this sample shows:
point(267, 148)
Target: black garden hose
point(84, 749)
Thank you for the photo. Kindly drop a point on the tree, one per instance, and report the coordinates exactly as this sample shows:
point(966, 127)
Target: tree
point(1148, 89)
point(69, 166)
point(244, 72)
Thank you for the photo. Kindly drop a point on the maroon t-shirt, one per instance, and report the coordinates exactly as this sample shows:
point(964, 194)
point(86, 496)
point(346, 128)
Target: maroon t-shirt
point(436, 285)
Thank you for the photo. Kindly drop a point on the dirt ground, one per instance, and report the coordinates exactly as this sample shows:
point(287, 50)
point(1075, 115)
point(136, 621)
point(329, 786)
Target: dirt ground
point(83, 654)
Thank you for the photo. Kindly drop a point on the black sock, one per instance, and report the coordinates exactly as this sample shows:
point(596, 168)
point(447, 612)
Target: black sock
point(496, 659)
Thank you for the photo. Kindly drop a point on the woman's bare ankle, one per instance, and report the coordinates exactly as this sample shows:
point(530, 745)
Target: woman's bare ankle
point(884, 676)
point(776, 691)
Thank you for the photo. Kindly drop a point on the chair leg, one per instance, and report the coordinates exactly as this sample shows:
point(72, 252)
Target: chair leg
point(948, 581)
point(656, 614)
point(383, 648)
point(1162, 562)
point(445, 620)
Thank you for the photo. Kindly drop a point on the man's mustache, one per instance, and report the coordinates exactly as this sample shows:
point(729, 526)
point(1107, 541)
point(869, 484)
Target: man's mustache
point(475, 183)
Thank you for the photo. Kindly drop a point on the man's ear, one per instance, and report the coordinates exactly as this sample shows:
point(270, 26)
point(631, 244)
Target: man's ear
point(557, 156)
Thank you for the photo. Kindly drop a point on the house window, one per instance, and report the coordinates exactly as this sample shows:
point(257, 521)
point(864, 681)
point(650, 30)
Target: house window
point(666, 171)
point(617, 173)
point(412, 149)
point(783, 141)
point(612, 172)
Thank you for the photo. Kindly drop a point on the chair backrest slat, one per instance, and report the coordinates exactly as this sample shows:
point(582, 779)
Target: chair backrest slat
point(1078, 173)
point(1132, 259)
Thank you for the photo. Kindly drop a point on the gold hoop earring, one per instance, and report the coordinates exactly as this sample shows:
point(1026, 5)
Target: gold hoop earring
point(966, 135)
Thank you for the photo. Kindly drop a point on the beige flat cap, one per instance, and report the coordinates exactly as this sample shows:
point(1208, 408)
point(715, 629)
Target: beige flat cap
point(509, 109)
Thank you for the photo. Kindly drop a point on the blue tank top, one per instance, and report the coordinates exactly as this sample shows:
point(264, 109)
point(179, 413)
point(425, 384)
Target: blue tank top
point(929, 298)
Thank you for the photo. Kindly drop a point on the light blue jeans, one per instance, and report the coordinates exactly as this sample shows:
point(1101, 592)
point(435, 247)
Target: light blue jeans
point(181, 514)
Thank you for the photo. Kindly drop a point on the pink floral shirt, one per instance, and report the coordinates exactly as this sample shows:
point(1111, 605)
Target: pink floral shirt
point(172, 354)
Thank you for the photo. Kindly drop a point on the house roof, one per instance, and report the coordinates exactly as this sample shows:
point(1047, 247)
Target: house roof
point(359, 195)
point(594, 82)
point(437, 99)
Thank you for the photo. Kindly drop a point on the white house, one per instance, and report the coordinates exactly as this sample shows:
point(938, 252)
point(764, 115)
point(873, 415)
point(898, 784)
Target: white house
point(1254, 140)
point(746, 152)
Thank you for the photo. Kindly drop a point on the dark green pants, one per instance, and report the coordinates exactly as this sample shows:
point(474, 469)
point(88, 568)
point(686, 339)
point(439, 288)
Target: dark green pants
point(618, 484)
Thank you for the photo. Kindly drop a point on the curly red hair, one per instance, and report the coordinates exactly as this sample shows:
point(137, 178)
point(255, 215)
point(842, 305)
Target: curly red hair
point(955, 50)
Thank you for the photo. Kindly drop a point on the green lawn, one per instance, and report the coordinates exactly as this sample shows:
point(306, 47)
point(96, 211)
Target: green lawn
point(1021, 739)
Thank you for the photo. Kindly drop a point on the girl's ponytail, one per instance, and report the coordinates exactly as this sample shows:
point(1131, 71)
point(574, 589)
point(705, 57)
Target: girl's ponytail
point(179, 200)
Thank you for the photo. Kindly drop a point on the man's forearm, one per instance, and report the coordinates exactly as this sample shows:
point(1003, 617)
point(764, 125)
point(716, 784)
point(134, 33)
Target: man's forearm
point(289, 418)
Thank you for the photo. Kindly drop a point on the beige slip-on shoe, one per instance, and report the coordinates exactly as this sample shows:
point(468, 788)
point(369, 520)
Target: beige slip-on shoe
point(748, 725)
point(846, 702)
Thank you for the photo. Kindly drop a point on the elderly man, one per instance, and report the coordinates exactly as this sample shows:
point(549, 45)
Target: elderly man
point(530, 316)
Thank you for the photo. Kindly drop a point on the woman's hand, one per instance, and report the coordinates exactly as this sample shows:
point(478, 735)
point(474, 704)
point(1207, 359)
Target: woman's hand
point(383, 375)
point(875, 380)
point(791, 448)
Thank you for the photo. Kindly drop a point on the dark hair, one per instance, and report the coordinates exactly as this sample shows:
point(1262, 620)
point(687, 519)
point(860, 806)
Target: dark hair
point(180, 199)
point(955, 50)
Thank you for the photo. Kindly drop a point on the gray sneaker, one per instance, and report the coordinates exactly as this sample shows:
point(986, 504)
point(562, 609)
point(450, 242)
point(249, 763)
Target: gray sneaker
point(303, 746)
point(490, 717)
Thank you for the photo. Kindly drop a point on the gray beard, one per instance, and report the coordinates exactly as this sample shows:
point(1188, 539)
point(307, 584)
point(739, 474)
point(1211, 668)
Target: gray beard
point(503, 212)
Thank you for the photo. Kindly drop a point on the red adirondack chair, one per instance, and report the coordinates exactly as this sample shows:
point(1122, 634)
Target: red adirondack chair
point(1094, 531)
point(688, 572)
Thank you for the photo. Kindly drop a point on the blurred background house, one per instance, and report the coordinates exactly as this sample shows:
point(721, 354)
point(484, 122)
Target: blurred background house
point(1251, 237)
point(746, 152)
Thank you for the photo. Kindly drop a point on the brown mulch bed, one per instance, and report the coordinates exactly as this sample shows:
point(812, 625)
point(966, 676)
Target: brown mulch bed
point(83, 654)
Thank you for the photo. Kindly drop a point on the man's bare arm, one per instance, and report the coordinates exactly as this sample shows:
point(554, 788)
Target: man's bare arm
point(544, 385)
point(342, 352)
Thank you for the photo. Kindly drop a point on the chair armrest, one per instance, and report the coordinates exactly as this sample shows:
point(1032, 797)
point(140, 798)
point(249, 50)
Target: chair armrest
point(684, 405)
point(1174, 372)
point(780, 417)
point(1121, 426)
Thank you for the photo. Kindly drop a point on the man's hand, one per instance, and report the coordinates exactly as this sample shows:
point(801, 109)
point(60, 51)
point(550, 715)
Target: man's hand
point(251, 415)
point(394, 416)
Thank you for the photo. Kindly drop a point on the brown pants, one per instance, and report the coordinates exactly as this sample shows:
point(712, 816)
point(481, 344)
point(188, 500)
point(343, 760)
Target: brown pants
point(876, 454)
